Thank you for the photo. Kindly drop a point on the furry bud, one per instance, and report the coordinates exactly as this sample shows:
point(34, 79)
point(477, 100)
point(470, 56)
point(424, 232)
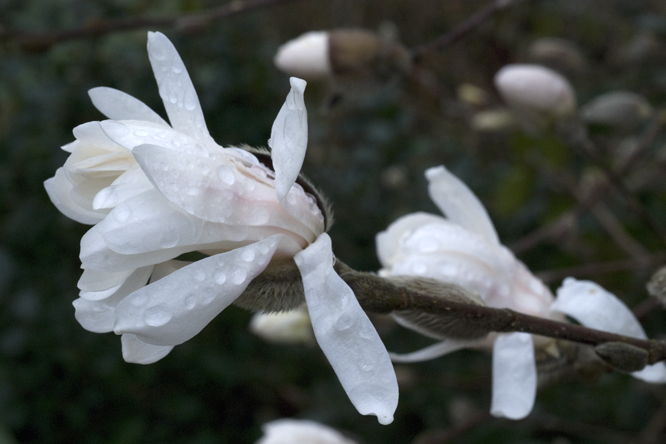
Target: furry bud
point(622, 357)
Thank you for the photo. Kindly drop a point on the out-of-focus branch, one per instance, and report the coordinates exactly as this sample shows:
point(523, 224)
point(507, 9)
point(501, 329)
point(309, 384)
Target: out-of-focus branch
point(556, 229)
point(453, 433)
point(463, 28)
point(379, 295)
point(40, 41)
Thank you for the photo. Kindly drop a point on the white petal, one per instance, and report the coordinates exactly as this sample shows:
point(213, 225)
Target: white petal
point(459, 203)
point(99, 316)
point(434, 351)
point(289, 139)
point(388, 241)
point(514, 376)
point(300, 431)
point(117, 105)
point(132, 133)
point(176, 88)
point(91, 134)
point(134, 281)
point(178, 306)
point(594, 307)
point(129, 184)
point(92, 280)
point(223, 194)
point(346, 335)
point(138, 352)
point(58, 189)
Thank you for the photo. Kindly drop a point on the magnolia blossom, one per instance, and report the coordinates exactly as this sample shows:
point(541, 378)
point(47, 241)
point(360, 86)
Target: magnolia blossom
point(300, 431)
point(155, 191)
point(464, 249)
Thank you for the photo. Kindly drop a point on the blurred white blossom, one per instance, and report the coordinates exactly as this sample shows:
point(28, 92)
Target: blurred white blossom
point(300, 431)
point(286, 327)
point(464, 249)
point(155, 191)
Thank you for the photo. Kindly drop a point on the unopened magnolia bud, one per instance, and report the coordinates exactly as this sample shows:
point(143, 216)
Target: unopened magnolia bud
point(622, 357)
point(439, 326)
point(493, 120)
point(536, 92)
point(657, 286)
point(295, 431)
point(619, 109)
point(287, 327)
point(306, 56)
point(278, 288)
point(560, 54)
point(472, 95)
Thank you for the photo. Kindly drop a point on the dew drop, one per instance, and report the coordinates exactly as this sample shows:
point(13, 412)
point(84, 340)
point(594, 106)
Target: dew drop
point(250, 185)
point(207, 296)
point(190, 302)
point(247, 255)
point(200, 276)
point(122, 213)
point(177, 69)
point(344, 322)
point(190, 100)
point(291, 198)
point(204, 169)
point(220, 277)
point(169, 239)
point(193, 191)
point(173, 96)
point(157, 316)
point(263, 248)
point(366, 366)
point(239, 276)
point(139, 300)
point(140, 133)
point(226, 175)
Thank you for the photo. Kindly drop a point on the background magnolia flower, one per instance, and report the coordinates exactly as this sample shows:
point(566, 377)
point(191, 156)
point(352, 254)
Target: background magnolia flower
point(464, 249)
point(300, 431)
point(156, 191)
point(287, 327)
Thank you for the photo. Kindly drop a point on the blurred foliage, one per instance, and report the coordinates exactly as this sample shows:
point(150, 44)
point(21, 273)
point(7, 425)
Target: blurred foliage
point(60, 383)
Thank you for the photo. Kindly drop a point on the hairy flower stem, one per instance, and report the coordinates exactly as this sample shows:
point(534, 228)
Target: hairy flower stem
point(379, 295)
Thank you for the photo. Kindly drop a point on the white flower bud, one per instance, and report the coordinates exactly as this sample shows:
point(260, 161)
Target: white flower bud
point(306, 56)
point(300, 431)
point(621, 109)
point(536, 92)
point(287, 327)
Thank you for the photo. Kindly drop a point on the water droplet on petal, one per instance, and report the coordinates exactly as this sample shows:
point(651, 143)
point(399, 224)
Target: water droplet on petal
point(190, 100)
point(263, 248)
point(247, 255)
point(157, 316)
point(190, 302)
point(169, 239)
point(344, 322)
point(207, 296)
point(220, 277)
point(122, 213)
point(239, 276)
point(226, 175)
point(204, 168)
point(177, 69)
point(139, 300)
point(193, 191)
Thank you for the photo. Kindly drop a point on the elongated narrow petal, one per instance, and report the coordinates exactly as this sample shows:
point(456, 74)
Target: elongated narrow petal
point(346, 335)
point(118, 105)
point(176, 88)
point(431, 352)
point(92, 280)
point(459, 203)
point(289, 139)
point(178, 306)
point(138, 352)
point(594, 307)
point(129, 184)
point(132, 133)
point(514, 376)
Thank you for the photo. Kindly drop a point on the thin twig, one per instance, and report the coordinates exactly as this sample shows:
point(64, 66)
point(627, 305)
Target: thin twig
point(462, 29)
point(40, 41)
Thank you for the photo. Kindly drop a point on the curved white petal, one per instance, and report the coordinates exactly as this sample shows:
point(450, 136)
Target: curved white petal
point(388, 241)
point(129, 184)
point(91, 133)
point(136, 351)
point(117, 105)
point(99, 316)
point(59, 188)
point(178, 306)
point(346, 335)
point(92, 280)
point(224, 196)
point(433, 351)
point(514, 376)
point(134, 281)
point(176, 89)
point(459, 203)
point(594, 307)
point(289, 138)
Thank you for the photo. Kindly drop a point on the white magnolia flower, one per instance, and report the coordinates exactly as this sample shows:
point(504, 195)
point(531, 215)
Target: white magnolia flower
point(286, 327)
point(156, 191)
point(300, 431)
point(464, 249)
